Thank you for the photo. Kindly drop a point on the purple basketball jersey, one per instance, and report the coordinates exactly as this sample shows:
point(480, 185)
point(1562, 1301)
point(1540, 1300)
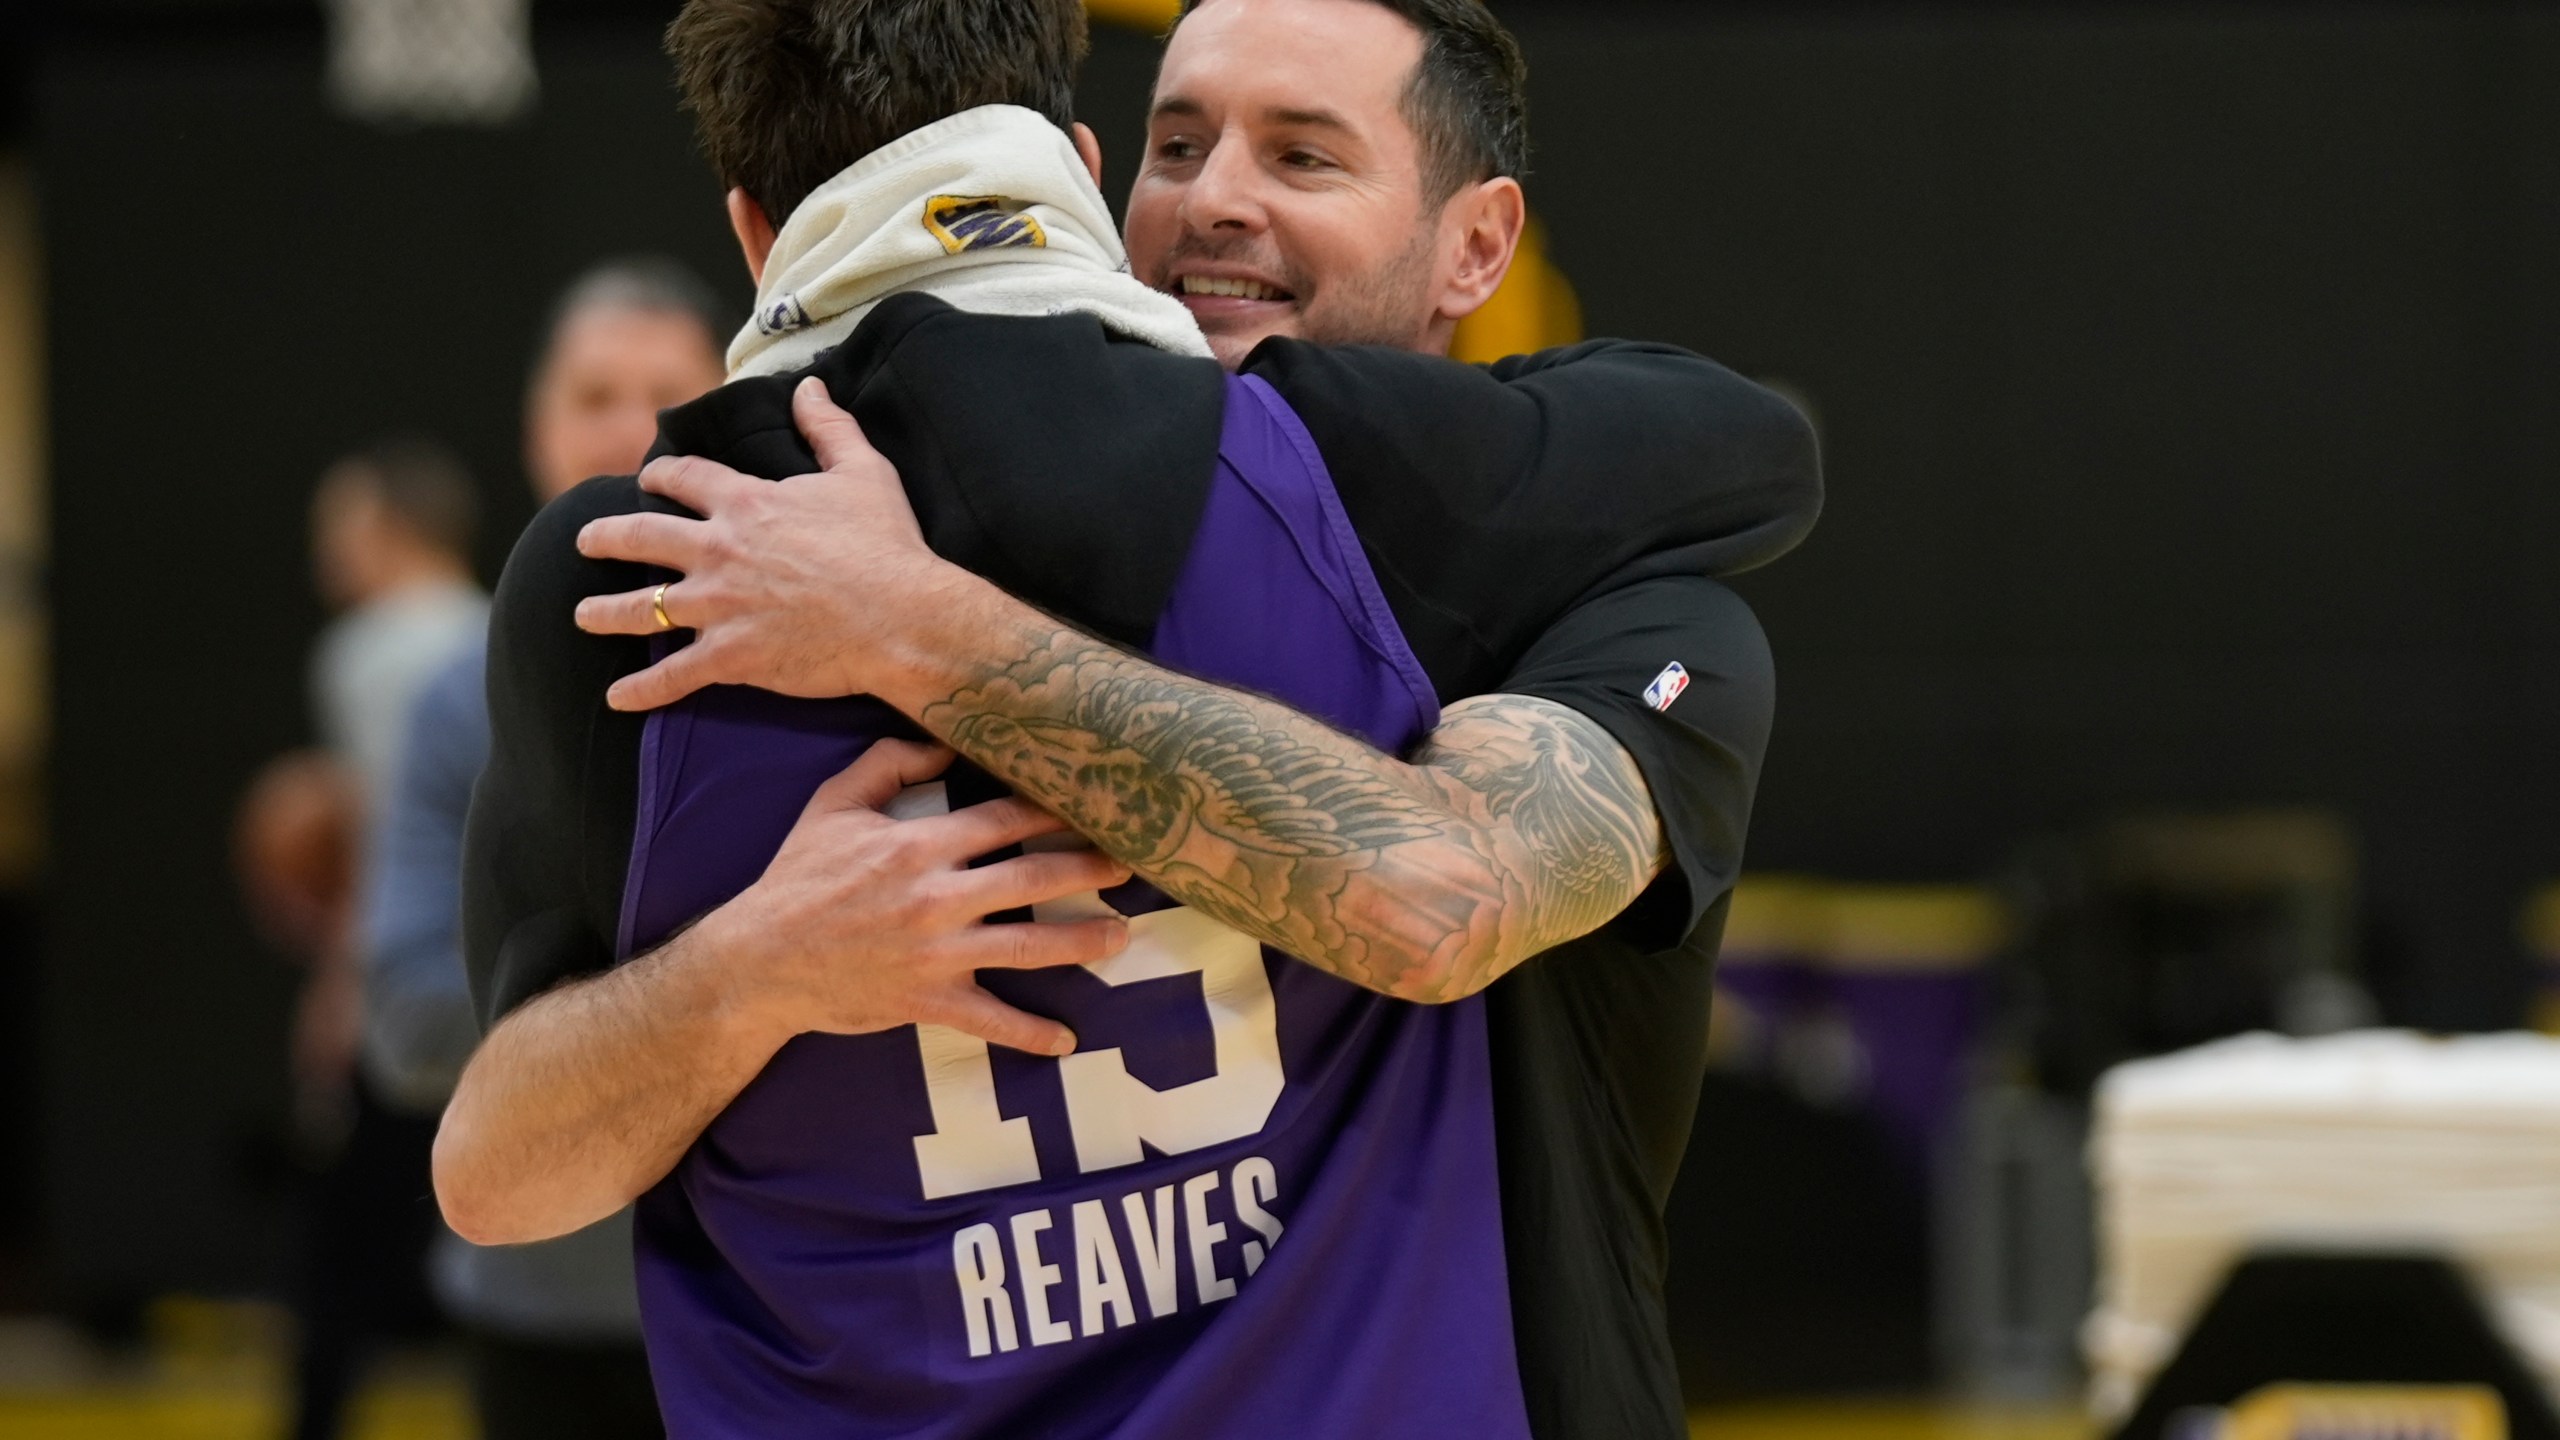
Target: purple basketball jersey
point(1258, 1201)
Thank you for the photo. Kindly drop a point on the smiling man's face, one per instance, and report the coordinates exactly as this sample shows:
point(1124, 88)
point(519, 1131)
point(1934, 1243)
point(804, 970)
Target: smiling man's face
point(1283, 187)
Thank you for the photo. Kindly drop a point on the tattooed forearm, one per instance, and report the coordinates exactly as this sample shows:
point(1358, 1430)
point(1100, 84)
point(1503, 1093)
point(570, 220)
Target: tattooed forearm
point(1520, 825)
point(1567, 806)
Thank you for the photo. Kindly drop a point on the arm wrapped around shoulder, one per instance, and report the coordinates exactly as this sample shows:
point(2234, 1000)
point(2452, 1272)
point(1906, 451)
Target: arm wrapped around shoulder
point(1528, 485)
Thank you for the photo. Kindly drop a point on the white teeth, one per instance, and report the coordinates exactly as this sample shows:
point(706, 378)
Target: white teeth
point(1235, 289)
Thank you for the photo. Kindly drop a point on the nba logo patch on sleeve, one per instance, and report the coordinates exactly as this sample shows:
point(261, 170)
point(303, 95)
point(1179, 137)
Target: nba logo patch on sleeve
point(1667, 686)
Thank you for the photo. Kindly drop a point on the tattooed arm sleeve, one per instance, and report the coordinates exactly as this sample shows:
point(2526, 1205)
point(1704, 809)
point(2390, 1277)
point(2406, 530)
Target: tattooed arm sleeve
point(1519, 825)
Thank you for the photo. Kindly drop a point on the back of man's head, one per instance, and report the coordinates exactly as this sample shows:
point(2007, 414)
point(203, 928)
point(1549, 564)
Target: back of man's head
point(423, 488)
point(786, 93)
point(1468, 100)
point(389, 515)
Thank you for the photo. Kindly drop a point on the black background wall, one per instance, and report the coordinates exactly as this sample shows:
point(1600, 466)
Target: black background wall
point(2185, 377)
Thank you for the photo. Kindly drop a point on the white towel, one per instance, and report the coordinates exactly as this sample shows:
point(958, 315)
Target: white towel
point(2371, 1140)
point(990, 210)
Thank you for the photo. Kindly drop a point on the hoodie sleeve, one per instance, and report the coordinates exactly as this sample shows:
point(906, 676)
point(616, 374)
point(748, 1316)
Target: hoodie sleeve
point(1490, 499)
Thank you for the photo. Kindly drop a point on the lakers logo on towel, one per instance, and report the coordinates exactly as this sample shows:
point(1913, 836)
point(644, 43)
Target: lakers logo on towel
point(982, 222)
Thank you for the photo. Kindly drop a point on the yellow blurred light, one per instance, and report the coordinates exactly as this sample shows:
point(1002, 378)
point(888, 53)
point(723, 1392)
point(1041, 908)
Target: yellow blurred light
point(1888, 1420)
point(2542, 924)
point(1845, 926)
point(2368, 1412)
point(1535, 309)
point(1156, 16)
point(1913, 927)
point(1775, 916)
point(2541, 927)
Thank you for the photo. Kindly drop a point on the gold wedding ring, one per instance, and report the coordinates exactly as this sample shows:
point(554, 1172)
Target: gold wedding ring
point(658, 607)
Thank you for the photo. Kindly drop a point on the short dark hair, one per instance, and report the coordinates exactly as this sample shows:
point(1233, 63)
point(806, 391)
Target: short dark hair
point(650, 284)
point(786, 93)
point(1468, 100)
point(424, 485)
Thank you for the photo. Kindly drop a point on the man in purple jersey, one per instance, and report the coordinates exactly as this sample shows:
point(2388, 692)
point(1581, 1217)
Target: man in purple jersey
point(820, 1199)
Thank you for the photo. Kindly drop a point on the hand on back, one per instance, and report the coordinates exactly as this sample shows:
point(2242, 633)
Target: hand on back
point(864, 922)
point(798, 586)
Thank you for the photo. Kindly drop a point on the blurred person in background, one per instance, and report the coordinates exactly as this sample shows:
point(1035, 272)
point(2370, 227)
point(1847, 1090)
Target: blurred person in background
point(293, 849)
point(391, 532)
point(554, 1328)
point(294, 852)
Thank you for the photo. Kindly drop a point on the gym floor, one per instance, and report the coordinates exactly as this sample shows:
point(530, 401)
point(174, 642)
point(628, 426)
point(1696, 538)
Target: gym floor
point(209, 1370)
point(432, 1409)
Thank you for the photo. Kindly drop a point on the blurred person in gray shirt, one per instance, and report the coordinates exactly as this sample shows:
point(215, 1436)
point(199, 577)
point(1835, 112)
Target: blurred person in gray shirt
point(554, 1328)
point(391, 531)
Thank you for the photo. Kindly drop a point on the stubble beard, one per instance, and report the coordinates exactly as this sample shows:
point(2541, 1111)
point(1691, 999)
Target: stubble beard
point(1388, 305)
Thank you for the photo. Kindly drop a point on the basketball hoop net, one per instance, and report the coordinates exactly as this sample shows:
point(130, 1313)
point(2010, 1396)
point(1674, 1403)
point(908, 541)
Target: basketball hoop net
point(431, 62)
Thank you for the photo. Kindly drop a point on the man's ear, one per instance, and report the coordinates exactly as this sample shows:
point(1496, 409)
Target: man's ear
point(755, 233)
point(1088, 149)
point(1483, 224)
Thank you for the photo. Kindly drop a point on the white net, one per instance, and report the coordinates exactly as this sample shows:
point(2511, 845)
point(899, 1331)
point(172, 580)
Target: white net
point(431, 62)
